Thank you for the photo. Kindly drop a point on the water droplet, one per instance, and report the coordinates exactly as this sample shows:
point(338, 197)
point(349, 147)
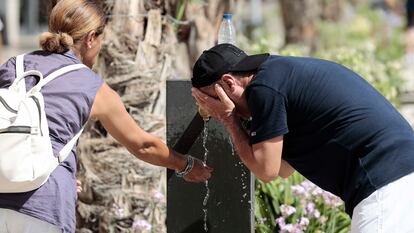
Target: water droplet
point(205, 220)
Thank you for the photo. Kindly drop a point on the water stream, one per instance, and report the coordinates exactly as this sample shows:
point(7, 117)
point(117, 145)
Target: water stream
point(205, 201)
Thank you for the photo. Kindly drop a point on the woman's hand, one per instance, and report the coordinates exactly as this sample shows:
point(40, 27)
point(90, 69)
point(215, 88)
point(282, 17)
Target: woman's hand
point(221, 109)
point(200, 172)
point(78, 186)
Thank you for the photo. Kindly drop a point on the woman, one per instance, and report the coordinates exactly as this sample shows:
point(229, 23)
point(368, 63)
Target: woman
point(75, 36)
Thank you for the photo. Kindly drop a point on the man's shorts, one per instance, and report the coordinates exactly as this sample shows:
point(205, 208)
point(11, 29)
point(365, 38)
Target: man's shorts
point(389, 209)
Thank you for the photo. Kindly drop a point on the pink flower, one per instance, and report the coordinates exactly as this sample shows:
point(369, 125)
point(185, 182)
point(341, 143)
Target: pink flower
point(119, 212)
point(159, 197)
point(304, 221)
point(280, 222)
point(317, 191)
point(291, 228)
point(316, 214)
point(307, 185)
point(331, 199)
point(141, 225)
point(310, 207)
point(287, 210)
point(299, 191)
point(287, 228)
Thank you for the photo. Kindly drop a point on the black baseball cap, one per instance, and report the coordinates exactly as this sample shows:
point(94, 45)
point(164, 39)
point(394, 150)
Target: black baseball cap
point(222, 59)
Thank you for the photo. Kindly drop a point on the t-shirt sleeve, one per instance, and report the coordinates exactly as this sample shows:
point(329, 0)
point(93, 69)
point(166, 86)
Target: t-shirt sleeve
point(7, 73)
point(268, 109)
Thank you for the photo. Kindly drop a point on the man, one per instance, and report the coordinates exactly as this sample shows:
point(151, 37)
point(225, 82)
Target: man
point(319, 118)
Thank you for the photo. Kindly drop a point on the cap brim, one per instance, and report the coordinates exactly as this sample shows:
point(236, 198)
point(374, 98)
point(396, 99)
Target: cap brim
point(249, 63)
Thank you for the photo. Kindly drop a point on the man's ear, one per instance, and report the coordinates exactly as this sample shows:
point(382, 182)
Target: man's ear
point(228, 83)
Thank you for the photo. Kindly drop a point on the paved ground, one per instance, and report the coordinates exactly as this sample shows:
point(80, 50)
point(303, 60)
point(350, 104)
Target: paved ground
point(27, 43)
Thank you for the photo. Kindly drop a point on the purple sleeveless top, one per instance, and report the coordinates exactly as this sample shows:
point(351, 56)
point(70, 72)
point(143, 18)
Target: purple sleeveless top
point(68, 101)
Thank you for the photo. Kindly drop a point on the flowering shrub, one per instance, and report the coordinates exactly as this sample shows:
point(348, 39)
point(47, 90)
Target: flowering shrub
point(296, 205)
point(147, 217)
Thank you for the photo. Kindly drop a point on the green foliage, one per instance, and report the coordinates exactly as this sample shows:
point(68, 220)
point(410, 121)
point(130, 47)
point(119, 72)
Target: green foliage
point(180, 8)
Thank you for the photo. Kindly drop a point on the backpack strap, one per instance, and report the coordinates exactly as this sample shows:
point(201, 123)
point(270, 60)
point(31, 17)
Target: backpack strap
point(65, 151)
point(55, 75)
point(19, 64)
point(21, 85)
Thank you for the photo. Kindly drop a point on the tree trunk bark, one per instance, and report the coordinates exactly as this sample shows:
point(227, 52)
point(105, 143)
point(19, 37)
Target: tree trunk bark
point(140, 52)
point(299, 18)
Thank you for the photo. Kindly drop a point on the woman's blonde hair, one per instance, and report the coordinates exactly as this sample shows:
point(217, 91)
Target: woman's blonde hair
point(69, 22)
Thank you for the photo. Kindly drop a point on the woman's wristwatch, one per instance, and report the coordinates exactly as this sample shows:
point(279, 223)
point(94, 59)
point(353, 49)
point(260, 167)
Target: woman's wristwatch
point(188, 167)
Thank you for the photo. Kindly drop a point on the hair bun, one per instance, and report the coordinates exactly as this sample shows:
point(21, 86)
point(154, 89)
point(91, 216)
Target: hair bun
point(56, 42)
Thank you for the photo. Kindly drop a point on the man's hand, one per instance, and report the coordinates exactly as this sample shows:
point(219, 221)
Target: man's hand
point(200, 172)
point(221, 109)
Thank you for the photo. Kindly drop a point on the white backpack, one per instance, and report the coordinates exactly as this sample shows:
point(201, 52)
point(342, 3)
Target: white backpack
point(26, 155)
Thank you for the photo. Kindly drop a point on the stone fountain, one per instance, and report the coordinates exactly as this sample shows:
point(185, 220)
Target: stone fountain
point(231, 198)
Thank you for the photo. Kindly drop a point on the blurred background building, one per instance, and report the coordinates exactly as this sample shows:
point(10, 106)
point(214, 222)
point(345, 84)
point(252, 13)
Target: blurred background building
point(22, 21)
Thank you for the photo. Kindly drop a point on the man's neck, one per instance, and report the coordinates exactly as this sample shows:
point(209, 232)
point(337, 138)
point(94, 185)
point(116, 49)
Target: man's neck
point(246, 81)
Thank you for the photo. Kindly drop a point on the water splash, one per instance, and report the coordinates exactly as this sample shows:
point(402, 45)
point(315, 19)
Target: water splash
point(233, 153)
point(244, 175)
point(205, 201)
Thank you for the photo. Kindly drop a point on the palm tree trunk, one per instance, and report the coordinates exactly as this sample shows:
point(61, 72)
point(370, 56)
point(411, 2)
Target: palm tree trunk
point(144, 46)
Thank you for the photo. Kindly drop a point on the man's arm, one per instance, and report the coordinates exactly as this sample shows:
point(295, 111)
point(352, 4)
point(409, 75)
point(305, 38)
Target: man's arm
point(264, 158)
point(285, 169)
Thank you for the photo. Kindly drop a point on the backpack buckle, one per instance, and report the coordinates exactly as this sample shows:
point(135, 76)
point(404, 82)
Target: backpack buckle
point(34, 130)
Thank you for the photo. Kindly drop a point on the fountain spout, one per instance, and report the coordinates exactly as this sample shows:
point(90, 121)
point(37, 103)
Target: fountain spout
point(190, 134)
